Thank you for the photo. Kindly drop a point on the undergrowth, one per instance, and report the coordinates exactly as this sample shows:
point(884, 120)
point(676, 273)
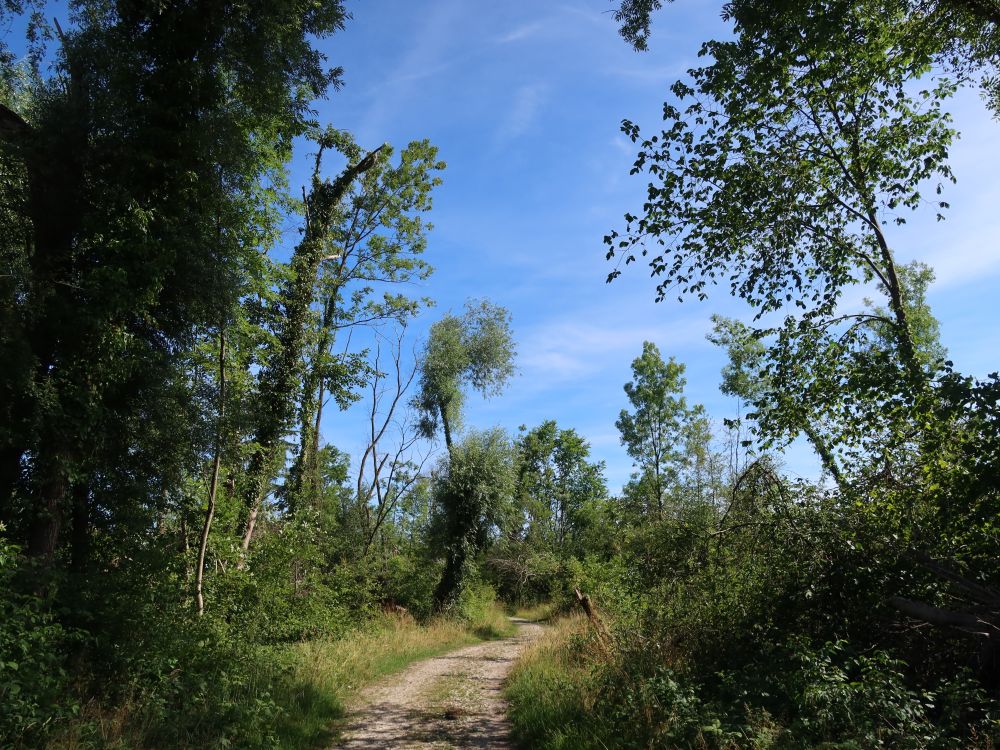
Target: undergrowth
point(289, 696)
point(576, 690)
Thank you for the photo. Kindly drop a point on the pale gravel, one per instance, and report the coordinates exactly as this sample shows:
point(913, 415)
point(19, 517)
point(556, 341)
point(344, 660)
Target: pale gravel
point(450, 701)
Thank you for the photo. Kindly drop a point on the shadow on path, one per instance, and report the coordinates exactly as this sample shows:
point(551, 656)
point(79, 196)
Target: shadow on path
point(450, 701)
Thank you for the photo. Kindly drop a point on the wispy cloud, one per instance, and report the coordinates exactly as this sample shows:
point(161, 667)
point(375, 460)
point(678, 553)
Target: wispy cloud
point(564, 351)
point(524, 110)
point(424, 58)
point(971, 260)
point(521, 32)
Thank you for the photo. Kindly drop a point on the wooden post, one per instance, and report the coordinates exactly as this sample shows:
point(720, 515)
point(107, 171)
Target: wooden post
point(603, 636)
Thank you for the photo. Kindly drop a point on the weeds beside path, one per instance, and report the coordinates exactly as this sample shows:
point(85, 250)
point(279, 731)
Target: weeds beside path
point(327, 675)
point(450, 701)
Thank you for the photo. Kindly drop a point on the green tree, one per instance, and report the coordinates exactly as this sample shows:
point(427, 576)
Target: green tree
point(473, 496)
point(477, 349)
point(652, 432)
point(803, 143)
point(144, 171)
point(376, 246)
point(279, 381)
point(784, 163)
point(557, 485)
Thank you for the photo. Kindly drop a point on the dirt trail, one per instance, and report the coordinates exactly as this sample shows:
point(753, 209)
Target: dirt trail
point(450, 701)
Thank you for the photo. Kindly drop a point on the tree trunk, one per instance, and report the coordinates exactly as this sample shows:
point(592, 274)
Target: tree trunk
point(214, 483)
point(825, 455)
point(451, 580)
point(904, 333)
point(53, 159)
point(279, 381)
point(80, 542)
point(445, 426)
point(49, 509)
point(303, 479)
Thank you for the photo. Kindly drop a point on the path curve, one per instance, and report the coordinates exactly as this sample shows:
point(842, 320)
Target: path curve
point(450, 701)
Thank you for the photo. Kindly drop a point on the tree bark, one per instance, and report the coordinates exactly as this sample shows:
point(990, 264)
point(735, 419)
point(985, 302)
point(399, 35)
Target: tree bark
point(279, 380)
point(932, 615)
point(825, 455)
point(80, 543)
point(445, 426)
point(214, 483)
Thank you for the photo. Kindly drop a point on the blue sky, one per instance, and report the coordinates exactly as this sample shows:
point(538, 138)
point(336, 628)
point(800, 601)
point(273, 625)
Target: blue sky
point(524, 100)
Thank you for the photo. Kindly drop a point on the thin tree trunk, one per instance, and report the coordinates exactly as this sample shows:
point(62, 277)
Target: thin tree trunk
point(904, 333)
point(214, 483)
point(446, 427)
point(248, 531)
point(826, 456)
point(313, 469)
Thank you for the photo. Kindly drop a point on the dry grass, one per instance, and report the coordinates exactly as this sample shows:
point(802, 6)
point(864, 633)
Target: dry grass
point(537, 612)
point(342, 666)
point(322, 677)
point(328, 673)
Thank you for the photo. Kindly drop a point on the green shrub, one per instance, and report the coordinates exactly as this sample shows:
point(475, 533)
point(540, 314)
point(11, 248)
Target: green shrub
point(35, 690)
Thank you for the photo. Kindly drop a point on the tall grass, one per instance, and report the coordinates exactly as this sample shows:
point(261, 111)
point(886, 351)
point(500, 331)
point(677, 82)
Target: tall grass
point(296, 694)
point(327, 673)
point(541, 612)
point(551, 689)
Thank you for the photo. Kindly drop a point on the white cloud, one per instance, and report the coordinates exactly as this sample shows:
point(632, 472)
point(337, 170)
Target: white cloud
point(524, 110)
point(562, 351)
point(521, 32)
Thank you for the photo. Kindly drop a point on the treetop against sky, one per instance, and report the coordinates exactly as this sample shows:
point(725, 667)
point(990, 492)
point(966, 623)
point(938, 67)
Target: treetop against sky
point(524, 102)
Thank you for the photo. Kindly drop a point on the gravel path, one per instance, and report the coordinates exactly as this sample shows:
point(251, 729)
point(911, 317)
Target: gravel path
point(450, 701)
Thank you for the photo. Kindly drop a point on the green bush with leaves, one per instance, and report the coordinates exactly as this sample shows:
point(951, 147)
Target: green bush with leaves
point(35, 685)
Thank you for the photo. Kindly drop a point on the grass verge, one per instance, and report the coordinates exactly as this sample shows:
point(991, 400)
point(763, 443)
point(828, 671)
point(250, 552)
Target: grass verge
point(326, 674)
point(291, 697)
point(551, 689)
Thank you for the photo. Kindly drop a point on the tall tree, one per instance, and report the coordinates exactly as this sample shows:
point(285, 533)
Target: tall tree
point(474, 498)
point(280, 379)
point(652, 432)
point(375, 248)
point(146, 165)
point(475, 349)
point(802, 145)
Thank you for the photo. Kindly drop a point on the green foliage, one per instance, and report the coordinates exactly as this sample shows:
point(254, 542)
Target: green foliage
point(476, 348)
point(157, 356)
point(477, 606)
point(781, 168)
point(375, 247)
point(33, 650)
point(474, 498)
point(559, 489)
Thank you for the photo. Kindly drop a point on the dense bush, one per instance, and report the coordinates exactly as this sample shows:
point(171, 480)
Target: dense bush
point(35, 693)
